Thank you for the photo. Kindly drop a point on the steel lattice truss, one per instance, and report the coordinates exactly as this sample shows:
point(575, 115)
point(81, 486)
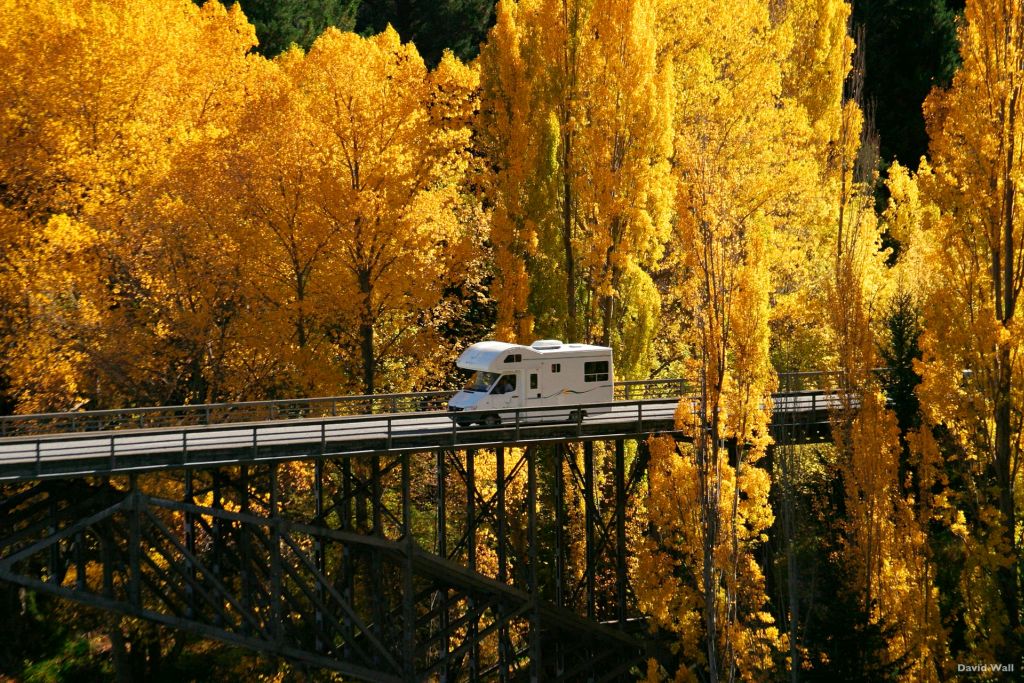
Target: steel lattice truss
point(453, 563)
point(351, 590)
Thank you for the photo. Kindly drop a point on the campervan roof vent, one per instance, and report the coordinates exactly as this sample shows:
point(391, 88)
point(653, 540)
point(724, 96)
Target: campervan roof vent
point(542, 344)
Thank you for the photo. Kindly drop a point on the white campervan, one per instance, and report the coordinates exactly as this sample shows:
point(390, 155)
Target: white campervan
point(547, 373)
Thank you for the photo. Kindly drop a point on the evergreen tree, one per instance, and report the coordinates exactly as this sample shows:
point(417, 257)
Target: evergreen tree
point(910, 48)
point(280, 23)
point(433, 25)
point(853, 647)
point(904, 326)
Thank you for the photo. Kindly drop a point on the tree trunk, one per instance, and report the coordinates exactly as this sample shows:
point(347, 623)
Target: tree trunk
point(571, 331)
point(1004, 399)
point(300, 320)
point(788, 514)
point(122, 663)
point(708, 468)
point(366, 333)
point(1007, 575)
point(608, 304)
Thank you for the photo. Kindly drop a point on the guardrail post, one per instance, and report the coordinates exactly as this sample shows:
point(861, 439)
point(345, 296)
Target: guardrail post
point(254, 443)
point(639, 418)
point(113, 461)
point(184, 447)
point(323, 439)
point(389, 434)
point(39, 459)
point(517, 425)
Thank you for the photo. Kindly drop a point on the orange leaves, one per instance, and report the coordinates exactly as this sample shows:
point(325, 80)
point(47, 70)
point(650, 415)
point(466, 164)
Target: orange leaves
point(101, 99)
point(393, 143)
point(244, 214)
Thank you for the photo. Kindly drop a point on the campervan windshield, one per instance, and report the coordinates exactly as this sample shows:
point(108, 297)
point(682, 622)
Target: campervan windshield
point(481, 381)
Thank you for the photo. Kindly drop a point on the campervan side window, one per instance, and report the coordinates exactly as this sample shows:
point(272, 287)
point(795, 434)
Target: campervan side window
point(595, 371)
point(556, 367)
point(506, 385)
point(514, 358)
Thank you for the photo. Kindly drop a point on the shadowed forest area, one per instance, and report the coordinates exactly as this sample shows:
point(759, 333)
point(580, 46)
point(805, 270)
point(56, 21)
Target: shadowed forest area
point(203, 203)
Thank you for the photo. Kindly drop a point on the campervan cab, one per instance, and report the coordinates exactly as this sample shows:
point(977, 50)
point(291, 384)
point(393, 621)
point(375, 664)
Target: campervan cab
point(547, 373)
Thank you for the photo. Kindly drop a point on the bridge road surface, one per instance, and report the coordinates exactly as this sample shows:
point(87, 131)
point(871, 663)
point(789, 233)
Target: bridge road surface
point(138, 450)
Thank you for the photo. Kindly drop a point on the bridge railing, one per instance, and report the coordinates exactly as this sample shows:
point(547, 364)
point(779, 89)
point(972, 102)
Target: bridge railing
point(264, 411)
point(329, 406)
point(219, 413)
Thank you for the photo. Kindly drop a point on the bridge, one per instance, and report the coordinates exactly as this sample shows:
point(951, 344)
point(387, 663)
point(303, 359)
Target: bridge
point(370, 535)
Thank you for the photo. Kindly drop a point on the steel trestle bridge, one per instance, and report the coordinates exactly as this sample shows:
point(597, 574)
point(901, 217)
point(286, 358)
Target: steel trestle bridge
point(411, 548)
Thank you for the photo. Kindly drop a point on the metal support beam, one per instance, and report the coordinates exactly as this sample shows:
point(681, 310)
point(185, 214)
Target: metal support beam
point(134, 544)
point(276, 568)
point(442, 551)
point(536, 671)
point(474, 611)
point(503, 636)
point(590, 521)
point(189, 540)
point(318, 549)
point(621, 577)
point(499, 456)
point(560, 550)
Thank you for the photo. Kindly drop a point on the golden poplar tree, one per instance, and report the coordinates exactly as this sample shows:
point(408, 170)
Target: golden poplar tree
point(883, 539)
point(814, 74)
point(189, 222)
point(260, 204)
point(970, 246)
point(576, 119)
point(736, 179)
point(884, 551)
point(518, 181)
point(623, 187)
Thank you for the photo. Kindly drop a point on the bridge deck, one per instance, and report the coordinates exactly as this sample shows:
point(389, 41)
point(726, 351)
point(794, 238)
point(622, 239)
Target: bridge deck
point(134, 450)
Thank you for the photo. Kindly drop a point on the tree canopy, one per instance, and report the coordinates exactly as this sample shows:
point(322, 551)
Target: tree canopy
point(265, 200)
